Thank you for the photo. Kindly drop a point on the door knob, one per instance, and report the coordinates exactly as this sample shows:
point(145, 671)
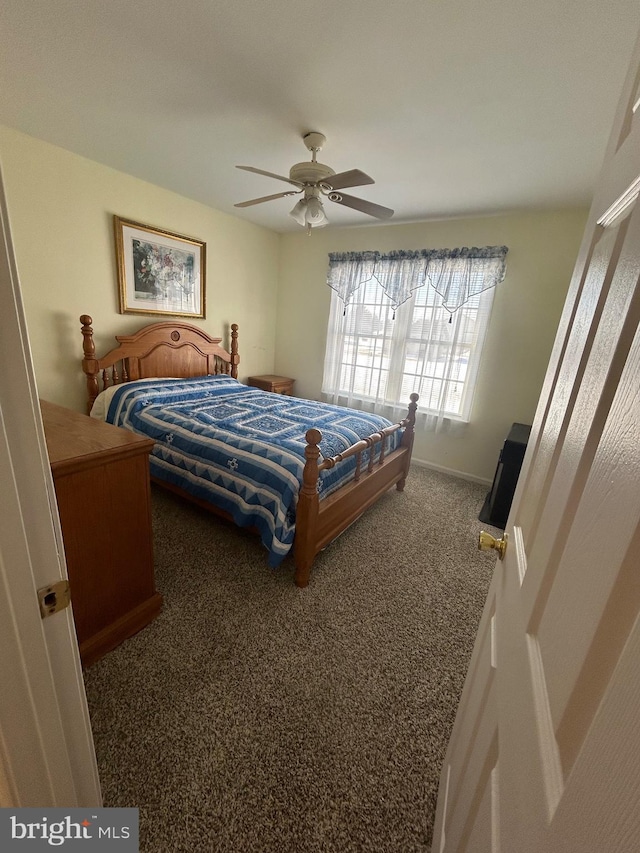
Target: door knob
point(487, 542)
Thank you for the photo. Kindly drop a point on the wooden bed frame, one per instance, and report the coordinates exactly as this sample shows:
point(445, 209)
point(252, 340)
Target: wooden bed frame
point(176, 349)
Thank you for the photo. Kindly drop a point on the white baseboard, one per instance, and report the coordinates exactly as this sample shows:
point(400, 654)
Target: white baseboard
point(462, 475)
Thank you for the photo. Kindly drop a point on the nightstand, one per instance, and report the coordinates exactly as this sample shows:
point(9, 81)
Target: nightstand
point(270, 382)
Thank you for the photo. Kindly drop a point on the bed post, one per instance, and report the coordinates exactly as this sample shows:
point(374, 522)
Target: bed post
point(235, 358)
point(307, 511)
point(89, 363)
point(407, 437)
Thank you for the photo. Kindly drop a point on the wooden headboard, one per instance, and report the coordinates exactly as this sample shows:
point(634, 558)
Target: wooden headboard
point(171, 349)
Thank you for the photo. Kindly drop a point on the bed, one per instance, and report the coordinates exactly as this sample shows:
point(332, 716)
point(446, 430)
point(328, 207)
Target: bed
point(296, 471)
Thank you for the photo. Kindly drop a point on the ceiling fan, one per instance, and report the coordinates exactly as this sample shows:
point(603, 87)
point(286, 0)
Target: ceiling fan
point(314, 180)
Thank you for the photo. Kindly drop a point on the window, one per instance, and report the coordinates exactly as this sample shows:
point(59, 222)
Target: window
point(378, 354)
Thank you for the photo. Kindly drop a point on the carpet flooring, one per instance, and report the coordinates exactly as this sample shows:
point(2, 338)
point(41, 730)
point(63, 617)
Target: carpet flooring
point(255, 716)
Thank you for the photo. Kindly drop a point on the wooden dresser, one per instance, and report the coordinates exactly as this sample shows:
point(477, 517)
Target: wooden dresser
point(101, 478)
point(271, 382)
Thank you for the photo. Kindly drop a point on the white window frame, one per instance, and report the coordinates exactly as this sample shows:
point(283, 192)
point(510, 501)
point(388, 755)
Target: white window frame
point(390, 401)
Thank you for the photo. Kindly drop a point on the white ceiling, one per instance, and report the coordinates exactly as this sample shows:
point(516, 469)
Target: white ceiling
point(454, 107)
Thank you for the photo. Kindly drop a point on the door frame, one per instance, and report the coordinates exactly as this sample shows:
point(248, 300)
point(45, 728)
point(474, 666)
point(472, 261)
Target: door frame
point(47, 755)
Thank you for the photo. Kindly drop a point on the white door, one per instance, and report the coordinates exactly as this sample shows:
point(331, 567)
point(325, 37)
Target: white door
point(46, 747)
point(545, 751)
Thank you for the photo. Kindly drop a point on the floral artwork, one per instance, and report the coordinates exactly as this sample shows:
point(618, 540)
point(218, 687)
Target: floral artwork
point(162, 272)
point(159, 272)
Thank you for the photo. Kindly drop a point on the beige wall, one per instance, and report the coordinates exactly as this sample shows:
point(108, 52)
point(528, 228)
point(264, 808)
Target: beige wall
point(526, 310)
point(61, 209)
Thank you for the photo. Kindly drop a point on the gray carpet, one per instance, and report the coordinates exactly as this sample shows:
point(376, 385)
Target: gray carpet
point(255, 716)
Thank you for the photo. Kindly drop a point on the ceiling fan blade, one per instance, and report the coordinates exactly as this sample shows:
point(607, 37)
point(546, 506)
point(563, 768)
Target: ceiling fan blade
point(369, 207)
point(265, 198)
point(270, 175)
point(352, 178)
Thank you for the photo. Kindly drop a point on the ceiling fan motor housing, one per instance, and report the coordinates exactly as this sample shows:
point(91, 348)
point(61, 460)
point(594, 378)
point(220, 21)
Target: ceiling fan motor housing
point(310, 173)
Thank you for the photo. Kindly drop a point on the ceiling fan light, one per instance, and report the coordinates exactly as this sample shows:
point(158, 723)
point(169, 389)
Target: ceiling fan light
point(298, 212)
point(319, 223)
point(315, 213)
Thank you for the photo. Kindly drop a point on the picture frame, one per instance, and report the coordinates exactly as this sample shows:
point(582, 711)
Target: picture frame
point(159, 272)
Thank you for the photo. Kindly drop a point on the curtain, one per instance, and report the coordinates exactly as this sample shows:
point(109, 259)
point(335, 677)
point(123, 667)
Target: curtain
point(374, 360)
point(456, 274)
point(348, 270)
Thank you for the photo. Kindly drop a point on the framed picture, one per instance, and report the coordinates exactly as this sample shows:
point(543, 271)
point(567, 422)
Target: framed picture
point(159, 272)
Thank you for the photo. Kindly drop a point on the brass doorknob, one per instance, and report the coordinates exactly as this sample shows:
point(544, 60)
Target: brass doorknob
point(487, 542)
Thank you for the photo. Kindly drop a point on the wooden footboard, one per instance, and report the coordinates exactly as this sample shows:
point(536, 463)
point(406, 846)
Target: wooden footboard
point(319, 522)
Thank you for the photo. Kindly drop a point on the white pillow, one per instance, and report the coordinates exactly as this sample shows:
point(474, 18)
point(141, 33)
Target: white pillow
point(100, 408)
point(101, 403)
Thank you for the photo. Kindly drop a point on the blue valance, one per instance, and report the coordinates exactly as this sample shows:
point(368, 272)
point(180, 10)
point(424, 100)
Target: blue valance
point(456, 274)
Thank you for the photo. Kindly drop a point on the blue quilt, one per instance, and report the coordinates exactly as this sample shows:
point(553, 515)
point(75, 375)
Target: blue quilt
point(240, 448)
